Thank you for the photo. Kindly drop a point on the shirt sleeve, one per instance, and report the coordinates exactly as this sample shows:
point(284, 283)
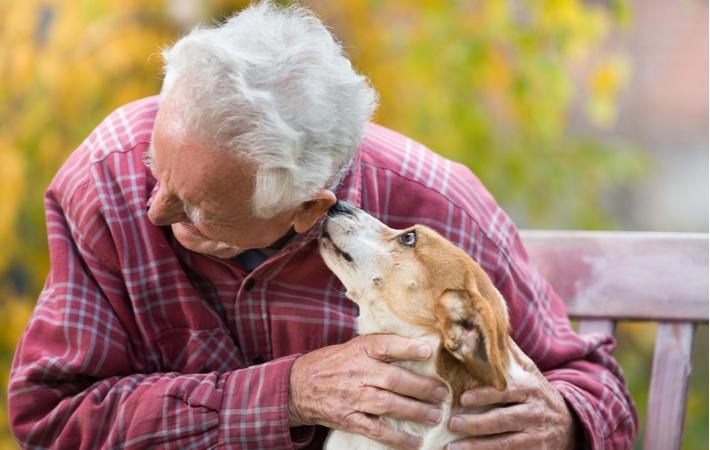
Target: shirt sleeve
point(78, 381)
point(582, 368)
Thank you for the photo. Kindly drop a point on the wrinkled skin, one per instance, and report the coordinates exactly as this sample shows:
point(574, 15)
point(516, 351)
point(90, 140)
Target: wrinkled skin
point(349, 386)
point(534, 415)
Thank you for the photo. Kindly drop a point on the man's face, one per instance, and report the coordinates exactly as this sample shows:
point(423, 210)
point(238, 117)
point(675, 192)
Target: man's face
point(205, 194)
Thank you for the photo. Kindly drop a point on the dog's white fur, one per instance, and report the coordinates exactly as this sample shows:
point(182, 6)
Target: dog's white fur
point(392, 286)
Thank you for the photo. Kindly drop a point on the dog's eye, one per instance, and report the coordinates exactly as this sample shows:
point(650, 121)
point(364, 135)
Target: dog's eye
point(409, 238)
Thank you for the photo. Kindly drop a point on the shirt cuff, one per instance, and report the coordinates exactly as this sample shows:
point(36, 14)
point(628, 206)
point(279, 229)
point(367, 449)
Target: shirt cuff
point(581, 407)
point(254, 412)
point(302, 436)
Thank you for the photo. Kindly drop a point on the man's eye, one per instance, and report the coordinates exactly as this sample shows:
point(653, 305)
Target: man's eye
point(409, 238)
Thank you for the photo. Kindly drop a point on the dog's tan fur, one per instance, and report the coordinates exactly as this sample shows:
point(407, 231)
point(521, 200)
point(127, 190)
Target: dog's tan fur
point(465, 310)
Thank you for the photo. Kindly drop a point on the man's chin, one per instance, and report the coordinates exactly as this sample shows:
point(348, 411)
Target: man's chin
point(216, 249)
point(226, 253)
point(197, 244)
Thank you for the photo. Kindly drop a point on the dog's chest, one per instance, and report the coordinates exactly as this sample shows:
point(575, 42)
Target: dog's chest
point(433, 437)
point(373, 320)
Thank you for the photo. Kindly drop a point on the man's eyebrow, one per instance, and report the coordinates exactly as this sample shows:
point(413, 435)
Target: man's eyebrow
point(148, 159)
point(193, 213)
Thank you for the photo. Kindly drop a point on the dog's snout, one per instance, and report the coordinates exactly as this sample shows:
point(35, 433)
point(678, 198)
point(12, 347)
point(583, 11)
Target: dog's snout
point(341, 207)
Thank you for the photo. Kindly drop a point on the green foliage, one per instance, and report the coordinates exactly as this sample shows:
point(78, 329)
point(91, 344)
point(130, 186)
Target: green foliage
point(492, 84)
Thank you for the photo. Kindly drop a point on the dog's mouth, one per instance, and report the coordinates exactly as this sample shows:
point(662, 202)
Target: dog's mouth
point(325, 237)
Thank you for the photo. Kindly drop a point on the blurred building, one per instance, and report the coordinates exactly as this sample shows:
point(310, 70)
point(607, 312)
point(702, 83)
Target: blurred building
point(664, 109)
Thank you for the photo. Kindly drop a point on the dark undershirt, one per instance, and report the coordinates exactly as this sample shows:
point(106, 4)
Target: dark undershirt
point(252, 258)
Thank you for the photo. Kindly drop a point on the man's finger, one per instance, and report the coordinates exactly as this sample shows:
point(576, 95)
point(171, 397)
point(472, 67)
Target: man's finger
point(376, 429)
point(487, 396)
point(408, 383)
point(509, 441)
point(390, 347)
point(507, 419)
point(385, 403)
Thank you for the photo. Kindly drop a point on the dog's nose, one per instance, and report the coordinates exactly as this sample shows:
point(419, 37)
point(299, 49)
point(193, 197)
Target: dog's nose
point(341, 207)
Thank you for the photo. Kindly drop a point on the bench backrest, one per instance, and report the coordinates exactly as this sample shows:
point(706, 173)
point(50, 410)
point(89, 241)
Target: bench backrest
point(605, 277)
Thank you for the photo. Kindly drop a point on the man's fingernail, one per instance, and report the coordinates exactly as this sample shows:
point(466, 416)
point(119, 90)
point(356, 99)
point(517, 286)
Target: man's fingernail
point(440, 393)
point(423, 352)
point(467, 399)
point(456, 424)
point(413, 442)
point(433, 415)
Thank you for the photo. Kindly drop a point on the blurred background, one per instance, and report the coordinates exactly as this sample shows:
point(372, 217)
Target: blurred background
point(575, 114)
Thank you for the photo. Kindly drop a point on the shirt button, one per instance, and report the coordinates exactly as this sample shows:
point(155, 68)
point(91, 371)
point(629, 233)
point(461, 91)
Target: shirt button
point(249, 285)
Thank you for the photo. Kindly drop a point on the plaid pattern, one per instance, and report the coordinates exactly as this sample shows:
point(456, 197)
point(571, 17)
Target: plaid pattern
point(137, 342)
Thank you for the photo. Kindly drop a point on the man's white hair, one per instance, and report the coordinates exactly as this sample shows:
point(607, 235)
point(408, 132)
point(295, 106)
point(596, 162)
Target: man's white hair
point(271, 83)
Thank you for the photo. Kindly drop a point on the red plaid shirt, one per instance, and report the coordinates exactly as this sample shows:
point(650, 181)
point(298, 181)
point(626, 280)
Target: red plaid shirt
point(137, 342)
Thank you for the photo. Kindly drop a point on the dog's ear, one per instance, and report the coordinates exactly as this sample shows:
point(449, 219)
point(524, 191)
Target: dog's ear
point(474, 330)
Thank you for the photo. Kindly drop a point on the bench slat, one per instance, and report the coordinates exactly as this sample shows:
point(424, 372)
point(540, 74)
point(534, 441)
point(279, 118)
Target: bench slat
point(669, 386)
point(589, 326)
point(625, 275)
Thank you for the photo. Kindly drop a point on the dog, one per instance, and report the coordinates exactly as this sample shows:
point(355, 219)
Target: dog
point(416, 284)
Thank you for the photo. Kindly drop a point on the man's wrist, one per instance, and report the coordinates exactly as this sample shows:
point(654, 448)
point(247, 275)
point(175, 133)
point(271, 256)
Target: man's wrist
point(294, 417)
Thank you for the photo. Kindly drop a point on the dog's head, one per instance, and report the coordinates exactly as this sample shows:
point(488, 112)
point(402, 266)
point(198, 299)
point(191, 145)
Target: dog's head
point(415, 283)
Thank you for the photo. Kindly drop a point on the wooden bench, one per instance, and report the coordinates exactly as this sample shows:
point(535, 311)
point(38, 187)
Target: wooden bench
point(606, 277)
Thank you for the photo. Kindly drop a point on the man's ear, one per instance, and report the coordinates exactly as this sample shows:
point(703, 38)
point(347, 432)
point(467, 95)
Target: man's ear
point(308, 213)
point(474, 332)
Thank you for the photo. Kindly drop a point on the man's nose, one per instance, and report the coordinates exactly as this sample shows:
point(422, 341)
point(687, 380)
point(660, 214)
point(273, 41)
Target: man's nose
point(162, 212)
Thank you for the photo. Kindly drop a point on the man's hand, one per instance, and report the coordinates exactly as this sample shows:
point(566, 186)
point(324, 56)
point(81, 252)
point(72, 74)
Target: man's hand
point(350, 386)
point(530, 413)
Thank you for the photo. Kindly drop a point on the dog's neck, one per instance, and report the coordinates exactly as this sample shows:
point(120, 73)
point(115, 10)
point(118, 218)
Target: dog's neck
point(373, 319)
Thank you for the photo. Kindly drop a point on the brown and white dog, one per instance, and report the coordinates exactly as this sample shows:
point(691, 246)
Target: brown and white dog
point(416, 284)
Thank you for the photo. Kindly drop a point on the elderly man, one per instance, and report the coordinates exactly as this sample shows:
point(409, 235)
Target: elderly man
point(187, 306)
